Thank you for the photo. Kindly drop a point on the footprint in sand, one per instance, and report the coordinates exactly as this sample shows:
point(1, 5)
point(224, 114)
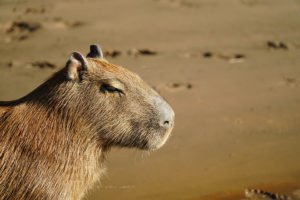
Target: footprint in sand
point(43, 64)
point(174, 87)
point(132, 52)
point(180, 3)
point(21, 30)
point(59, 23)
point(233, 58)
point(287, 81)
point(41, 10)
point(237, 58)
point(249, 2)
point(22, 27)
point(143, 52)
point(32, 10)
point(297, 193)
point(13, 63)
point(254, 194)
point(207, 54)
point(112, 53)
point(290, 82)
point(38, 64)
point(276, 45)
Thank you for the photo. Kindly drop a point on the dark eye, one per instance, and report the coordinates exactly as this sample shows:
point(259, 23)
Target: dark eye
point(106, 87)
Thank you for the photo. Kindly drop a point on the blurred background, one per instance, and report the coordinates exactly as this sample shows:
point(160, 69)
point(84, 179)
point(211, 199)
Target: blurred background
point(230, 69)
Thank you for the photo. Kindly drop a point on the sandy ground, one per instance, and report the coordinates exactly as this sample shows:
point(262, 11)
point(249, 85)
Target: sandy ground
point(230, 69)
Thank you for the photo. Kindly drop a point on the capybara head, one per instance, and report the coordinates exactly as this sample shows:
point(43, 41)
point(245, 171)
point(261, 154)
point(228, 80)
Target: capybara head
point(117, 106)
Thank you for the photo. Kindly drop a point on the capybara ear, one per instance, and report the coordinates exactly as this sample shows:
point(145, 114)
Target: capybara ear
point(95, 52)
point(76, 64)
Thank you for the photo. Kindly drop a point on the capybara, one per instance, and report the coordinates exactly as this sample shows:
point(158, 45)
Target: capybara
point(53, 141)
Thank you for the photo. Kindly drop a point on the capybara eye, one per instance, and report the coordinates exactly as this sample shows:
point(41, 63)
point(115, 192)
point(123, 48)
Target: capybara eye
point(106, 87)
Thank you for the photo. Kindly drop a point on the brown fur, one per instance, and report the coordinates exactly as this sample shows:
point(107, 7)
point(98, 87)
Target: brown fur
point(54, 140)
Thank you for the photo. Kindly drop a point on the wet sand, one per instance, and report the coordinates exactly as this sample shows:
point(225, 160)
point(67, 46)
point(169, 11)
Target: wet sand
point(230, 69)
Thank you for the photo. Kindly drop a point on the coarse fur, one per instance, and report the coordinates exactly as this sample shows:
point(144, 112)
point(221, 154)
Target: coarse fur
point(54, 140)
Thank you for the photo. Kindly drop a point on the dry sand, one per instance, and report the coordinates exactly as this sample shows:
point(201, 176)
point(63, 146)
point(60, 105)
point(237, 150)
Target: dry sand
point(230, 69)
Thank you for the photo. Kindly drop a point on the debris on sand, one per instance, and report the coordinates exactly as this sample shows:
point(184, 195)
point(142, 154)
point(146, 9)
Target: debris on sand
point(23, 27)
point(43, 64)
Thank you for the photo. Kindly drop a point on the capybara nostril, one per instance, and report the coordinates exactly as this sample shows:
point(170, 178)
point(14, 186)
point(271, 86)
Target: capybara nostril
point(166, 116)
point(165, 124)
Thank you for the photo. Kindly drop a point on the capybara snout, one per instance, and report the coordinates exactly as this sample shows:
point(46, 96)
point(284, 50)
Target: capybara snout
point(165, 116)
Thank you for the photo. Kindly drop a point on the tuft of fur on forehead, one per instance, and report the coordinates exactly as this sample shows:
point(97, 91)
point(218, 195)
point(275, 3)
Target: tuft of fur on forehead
point(104, 69)
point(105, 66)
